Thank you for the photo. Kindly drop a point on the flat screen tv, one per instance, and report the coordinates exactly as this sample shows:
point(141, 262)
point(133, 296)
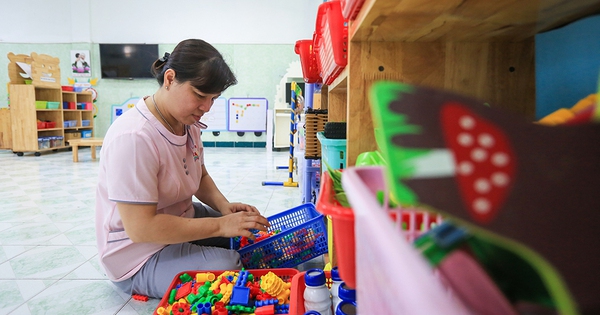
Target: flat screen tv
point(127, 61)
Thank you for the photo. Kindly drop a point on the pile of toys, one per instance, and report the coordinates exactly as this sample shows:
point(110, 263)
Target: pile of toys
point(259, 236)
point(231, 292)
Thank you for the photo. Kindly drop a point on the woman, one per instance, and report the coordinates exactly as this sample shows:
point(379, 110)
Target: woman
point(151, 165)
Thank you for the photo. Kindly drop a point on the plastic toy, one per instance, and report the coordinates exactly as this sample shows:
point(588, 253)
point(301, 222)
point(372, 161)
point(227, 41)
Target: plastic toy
point(139, 297)
point(276, 287)
point(265, 310)
point(580, 112)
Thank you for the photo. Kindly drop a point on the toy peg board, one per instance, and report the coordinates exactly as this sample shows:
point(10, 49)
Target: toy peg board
point(248, 114)
point(118, 110)
point(216, 118)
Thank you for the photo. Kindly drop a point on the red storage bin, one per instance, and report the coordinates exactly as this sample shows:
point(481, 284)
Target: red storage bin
point(50, 124)
point(350, 8)
point(308, 60)
point(331, 40)
point(342, 219)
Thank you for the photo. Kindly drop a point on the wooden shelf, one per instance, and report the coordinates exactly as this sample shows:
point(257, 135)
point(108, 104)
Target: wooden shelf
point(24, 115)
point(504, 20)
point(482, 49)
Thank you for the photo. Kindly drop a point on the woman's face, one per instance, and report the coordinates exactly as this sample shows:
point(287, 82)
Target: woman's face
point(188, 104)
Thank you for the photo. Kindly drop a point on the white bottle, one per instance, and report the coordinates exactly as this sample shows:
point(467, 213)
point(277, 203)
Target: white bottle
point(316, 294)
point(335, 277)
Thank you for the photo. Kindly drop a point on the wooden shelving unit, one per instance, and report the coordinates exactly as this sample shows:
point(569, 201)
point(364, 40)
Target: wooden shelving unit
point(483, 49)
point(24, 116)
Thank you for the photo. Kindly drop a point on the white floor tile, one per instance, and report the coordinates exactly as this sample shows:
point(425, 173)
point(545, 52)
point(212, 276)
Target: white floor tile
point(47, 231)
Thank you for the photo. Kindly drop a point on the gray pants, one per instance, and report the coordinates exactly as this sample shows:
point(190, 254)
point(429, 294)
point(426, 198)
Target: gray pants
point(158, 272)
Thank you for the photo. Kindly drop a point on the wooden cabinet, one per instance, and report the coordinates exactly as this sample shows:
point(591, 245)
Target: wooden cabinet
point(483, 49)
point(25, 116)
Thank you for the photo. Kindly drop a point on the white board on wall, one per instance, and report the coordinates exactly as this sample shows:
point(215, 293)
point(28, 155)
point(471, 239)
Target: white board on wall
point(216, 118)
point(248, 114)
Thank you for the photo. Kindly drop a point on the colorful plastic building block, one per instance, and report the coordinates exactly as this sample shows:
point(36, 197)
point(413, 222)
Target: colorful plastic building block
point(276, 287)
point(184, 290)
point(181, 309)
point(265, 310)
point(282, 309)
point(139, 297)
point(240, 296)
point(185, 278)
point(202, 277)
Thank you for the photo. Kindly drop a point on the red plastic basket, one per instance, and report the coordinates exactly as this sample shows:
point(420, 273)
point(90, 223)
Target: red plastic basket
point(286, 274)
point(297, 292)
point(331, 40)
point(413, 223)
point(350, 8)
point(308, 60)
point(342, 219)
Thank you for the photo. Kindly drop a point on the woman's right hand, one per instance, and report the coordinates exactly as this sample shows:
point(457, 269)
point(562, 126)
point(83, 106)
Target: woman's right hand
point(240, 224)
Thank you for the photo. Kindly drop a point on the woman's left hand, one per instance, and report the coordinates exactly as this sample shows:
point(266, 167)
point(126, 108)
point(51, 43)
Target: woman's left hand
point(234, 207)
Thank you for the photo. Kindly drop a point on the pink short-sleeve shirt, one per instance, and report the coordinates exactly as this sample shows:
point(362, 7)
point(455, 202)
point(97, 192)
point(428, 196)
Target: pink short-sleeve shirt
point(142, 162)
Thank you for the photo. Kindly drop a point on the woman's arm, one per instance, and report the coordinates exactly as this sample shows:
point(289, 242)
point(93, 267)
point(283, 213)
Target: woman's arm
point(211, 195)
point(143, 224)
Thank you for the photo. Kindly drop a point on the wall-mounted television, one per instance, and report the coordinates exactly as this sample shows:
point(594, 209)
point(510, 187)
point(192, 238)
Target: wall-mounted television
point(127, 61)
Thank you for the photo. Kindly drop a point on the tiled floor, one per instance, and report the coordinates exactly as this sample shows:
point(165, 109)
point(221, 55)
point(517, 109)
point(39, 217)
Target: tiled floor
point(48, 258)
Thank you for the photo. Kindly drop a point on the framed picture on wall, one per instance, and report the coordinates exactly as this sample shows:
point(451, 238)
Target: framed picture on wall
point(80, 63)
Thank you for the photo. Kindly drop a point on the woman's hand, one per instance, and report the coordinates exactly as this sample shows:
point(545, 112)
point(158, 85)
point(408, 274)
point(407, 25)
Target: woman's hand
point(241, 222)
point(234, 207)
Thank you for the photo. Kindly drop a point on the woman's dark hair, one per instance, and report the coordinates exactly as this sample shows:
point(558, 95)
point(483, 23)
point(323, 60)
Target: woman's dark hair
point(200, 63)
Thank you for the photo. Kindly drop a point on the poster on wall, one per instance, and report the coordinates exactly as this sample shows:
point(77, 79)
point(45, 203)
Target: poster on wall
point(80, 63)
point(118, 110)
point(248, 114)
point(216, 118)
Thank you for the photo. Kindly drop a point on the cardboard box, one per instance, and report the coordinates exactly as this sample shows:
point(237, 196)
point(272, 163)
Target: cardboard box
point(72, 135)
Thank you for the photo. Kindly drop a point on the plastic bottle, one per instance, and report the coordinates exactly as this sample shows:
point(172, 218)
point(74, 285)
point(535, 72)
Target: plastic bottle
point(346, 293)
point(335, 277)
point(346, 308)
point(316, 294)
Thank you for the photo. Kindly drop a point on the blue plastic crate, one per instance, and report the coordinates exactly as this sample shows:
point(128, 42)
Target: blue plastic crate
point(303, 237)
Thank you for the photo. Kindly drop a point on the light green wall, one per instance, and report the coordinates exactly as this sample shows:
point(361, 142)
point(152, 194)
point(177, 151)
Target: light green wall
point(258, 68)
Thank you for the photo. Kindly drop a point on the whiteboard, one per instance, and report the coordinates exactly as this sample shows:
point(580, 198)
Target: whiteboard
point(248, 114)
point(216, 118)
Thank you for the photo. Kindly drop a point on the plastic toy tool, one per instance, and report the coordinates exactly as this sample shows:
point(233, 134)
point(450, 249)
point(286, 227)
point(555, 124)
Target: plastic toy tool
point(493, 171)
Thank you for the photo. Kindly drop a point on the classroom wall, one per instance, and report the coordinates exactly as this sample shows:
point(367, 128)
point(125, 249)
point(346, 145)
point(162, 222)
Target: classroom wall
point(256, 38)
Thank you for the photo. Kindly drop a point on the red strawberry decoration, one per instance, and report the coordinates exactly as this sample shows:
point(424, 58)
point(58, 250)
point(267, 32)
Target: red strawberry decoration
point(485, 161)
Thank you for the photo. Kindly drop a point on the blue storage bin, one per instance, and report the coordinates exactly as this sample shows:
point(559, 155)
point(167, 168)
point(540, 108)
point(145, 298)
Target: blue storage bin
point(85, 123)
point(333, 151)
point(86, 133)
point(302, 237)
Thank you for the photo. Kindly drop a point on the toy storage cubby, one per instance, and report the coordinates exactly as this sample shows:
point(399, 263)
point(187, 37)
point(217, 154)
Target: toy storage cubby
point(78, 115)
point(25, 116)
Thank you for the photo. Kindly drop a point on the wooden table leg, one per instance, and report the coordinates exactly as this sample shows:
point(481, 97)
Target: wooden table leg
point(75, 153)
point(93, 148)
